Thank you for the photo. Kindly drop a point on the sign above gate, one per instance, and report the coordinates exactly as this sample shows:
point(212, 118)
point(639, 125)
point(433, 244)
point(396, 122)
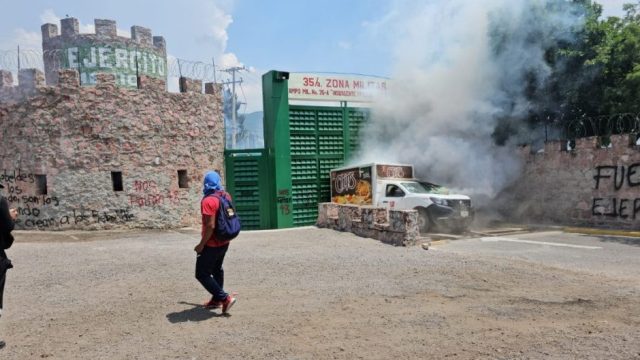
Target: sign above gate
point(336, 87)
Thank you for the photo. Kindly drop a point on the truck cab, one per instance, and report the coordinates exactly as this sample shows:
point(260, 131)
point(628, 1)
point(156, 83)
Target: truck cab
point(435, 205)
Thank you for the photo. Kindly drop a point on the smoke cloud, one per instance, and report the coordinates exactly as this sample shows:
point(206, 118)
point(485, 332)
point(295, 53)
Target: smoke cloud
point(461, 67)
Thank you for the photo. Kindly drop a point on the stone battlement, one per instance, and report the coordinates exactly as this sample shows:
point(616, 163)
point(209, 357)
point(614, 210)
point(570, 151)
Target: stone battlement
point(105, 30)
point(617, 145)
point(102, 51)
point(31, 81)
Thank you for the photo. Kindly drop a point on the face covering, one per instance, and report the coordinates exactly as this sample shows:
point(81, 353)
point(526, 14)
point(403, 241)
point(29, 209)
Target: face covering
point(211, 183)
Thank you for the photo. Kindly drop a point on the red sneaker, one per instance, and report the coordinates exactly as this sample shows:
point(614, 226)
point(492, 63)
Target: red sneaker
point(213, 304)
point(228, 303)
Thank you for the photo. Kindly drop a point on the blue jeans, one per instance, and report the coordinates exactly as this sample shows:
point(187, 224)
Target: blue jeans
point(209, 270)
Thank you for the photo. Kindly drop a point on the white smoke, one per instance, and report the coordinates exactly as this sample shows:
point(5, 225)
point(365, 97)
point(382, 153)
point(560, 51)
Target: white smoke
point(461, 65)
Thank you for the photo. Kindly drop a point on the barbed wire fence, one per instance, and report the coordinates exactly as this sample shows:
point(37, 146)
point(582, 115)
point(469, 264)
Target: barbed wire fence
point(549, 129)
point(601, 127)
point(15, 59)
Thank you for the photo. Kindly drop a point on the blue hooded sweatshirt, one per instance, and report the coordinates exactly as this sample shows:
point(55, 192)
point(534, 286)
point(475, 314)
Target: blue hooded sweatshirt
point(211, 183)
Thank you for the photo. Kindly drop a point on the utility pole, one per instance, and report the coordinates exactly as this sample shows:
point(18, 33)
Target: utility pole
point(234, 124)
point(213, 61)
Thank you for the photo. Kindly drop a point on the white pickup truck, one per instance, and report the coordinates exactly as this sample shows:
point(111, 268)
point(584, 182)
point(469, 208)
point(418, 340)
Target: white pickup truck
point(394, 186)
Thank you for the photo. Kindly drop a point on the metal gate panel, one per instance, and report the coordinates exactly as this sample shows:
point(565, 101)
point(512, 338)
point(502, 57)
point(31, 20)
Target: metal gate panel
point(247, 182)
point(303, 143)
point(357, 118)
point(317, 139)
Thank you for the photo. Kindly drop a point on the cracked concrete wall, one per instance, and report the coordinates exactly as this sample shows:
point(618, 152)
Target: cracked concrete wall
point(64, 147)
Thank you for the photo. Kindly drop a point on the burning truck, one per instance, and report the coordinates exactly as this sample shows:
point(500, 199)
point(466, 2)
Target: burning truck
point(394, 186)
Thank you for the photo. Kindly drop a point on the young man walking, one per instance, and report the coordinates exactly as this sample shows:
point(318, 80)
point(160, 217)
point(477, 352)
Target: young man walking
point(7, 222)
point(210, 250)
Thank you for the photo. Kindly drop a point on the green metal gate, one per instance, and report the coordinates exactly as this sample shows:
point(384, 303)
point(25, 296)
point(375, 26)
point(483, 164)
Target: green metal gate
point(321, 138)
point(247, 181)
point(281, 185)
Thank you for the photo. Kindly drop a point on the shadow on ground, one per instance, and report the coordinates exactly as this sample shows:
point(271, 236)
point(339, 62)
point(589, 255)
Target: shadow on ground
point(633, 241)
point(195, 313)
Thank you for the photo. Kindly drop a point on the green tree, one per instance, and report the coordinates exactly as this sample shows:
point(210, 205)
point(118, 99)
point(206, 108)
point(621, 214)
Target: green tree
point(596, 72)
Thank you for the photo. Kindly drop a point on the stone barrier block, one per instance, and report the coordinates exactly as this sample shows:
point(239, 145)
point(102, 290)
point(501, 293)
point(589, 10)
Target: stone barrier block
point(395, 227)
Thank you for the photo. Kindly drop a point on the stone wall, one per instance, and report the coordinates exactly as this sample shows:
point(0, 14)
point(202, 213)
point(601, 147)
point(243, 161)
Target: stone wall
point(396, 227)
point(103, 157)
point(590, 185)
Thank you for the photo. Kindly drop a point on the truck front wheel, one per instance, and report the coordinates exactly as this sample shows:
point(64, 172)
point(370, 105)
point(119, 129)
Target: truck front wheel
point(424, 221)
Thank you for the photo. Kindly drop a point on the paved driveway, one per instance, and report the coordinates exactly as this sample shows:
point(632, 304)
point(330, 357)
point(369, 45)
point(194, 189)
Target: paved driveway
point(318, 294)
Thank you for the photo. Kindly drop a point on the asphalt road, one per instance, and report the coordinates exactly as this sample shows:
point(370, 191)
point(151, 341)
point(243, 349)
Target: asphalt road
point(612, 256)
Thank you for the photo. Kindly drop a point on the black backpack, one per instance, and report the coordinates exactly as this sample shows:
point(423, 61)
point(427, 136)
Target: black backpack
point(227, 220)
point(6, 225)
point(6, 240)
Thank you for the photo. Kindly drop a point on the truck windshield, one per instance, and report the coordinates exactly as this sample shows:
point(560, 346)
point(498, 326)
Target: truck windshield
point(421, 187)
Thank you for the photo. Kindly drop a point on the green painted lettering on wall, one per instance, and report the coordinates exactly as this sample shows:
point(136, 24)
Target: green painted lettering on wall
point(125, 63)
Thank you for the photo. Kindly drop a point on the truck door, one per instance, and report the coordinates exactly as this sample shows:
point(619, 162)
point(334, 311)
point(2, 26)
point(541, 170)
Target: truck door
point(392, 196)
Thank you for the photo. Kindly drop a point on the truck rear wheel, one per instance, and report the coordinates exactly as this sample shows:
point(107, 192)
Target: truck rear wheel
point(424, 221)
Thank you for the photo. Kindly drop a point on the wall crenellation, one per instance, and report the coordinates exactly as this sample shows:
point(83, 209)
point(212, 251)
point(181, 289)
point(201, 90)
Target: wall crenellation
point(619, 144)
point(104, 30)
point(32, 80)
point(103, 51)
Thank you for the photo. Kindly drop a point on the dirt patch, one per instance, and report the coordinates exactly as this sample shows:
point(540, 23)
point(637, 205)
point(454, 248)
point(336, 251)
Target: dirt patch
point(305, 294)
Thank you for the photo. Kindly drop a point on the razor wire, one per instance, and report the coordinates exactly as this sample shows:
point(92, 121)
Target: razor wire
point(602, 126)
point(13, 60)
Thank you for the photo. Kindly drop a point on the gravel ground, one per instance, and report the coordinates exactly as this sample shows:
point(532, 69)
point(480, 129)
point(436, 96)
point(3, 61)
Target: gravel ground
point(304, 294)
